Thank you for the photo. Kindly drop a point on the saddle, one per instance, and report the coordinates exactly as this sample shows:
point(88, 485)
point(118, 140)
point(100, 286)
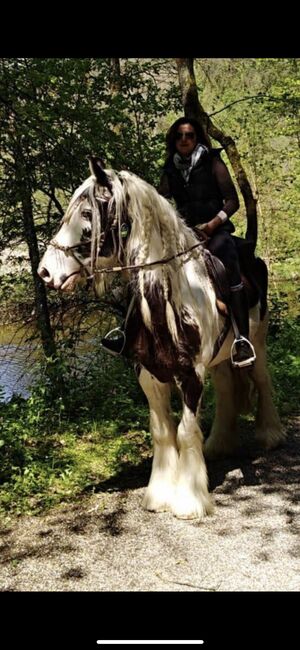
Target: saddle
point(254, 276)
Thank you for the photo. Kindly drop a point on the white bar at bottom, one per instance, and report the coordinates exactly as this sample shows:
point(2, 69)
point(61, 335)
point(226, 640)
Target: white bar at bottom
point(150, 642)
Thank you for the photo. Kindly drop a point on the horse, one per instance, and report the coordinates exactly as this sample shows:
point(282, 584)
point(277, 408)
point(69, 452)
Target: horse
point(117, 222)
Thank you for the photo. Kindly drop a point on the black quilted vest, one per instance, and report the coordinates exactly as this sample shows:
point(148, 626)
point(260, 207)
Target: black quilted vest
point(200, 199)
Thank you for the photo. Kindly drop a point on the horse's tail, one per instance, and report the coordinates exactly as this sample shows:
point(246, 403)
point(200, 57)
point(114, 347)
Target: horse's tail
point(251, 209)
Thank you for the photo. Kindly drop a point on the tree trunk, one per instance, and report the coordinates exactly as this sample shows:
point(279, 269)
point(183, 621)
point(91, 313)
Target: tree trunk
point(43, 319)
point(116, 79)
point(193, 108)
point(25, 196)
point(52, 369)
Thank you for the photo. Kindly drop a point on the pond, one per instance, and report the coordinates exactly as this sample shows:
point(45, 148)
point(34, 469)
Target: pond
point(20, 353)
point(18, 360)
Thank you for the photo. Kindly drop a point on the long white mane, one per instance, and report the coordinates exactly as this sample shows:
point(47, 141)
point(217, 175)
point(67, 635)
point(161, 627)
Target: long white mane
point(157, 232)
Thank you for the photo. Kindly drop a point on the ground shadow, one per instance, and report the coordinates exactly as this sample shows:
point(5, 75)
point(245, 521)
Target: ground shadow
point(271, 470)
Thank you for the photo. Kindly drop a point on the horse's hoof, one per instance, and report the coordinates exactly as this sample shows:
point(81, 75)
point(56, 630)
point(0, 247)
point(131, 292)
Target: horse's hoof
point(192, 508)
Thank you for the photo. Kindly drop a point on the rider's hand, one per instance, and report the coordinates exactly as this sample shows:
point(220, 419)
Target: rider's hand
point(208, 228)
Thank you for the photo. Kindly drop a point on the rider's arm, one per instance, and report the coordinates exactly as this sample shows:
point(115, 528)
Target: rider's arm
point(228, 192)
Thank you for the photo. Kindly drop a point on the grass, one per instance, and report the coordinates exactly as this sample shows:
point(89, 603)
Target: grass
point(51, 451)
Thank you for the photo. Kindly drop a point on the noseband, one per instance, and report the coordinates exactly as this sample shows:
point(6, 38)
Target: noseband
point(88, 270)
point(72, 250)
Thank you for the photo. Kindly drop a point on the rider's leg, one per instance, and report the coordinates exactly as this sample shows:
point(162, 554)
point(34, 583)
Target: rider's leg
point(222, 245)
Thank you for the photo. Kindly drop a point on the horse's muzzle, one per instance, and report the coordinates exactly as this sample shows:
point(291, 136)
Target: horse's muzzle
point(45, 275)
point(63, 283)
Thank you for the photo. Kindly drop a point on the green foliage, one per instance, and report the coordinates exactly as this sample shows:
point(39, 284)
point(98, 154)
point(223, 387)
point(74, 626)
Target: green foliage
point(257, 102)
point(16, 289)
point(52, 449)
point(54, 112)
point(284, 356)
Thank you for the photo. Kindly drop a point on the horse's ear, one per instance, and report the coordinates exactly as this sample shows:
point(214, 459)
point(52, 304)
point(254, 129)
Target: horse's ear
point(97, 169)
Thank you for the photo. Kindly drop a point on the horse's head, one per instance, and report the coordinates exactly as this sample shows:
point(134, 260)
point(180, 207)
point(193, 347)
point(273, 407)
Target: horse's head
point(92, 234)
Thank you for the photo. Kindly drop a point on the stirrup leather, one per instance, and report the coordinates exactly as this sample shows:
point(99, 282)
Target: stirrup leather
point(246, 362)
point(121, 333)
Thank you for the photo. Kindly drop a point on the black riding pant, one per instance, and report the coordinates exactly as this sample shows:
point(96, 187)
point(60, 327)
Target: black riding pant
point(222, 246)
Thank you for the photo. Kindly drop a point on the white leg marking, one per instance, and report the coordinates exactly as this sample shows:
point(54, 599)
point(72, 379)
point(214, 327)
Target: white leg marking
point(159, 494)
point(192, 499)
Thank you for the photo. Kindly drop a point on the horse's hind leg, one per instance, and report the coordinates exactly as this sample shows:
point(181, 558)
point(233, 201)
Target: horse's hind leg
point(223, 438)
point(192, 499)
point(159, 494)
point(268, 428)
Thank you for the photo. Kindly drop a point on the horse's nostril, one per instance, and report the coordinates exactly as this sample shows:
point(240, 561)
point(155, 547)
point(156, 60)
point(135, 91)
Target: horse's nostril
point(43, 273)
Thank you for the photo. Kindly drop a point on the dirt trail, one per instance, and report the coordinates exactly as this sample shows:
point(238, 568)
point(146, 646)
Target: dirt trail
point(107, 542)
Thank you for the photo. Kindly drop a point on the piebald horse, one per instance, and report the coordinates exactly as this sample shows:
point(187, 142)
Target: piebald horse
point(117, 222)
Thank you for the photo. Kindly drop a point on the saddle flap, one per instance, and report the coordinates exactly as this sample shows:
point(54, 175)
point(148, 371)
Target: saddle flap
point(218, 275)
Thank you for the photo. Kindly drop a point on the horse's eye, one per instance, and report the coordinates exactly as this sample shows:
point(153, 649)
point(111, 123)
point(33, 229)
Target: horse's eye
point(124, 230)
point(87, 214)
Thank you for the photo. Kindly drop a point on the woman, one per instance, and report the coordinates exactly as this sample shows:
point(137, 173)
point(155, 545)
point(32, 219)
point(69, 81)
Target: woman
point(195, 176)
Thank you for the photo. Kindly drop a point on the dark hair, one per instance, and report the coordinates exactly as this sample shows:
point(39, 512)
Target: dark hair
point(172, 132)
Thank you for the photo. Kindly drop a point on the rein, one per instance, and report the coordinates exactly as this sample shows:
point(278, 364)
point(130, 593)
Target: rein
point(132, 267)
point(117, 269)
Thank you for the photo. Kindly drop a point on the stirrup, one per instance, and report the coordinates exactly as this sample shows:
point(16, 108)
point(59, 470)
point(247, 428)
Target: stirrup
point(108, 337)
point(246, 362)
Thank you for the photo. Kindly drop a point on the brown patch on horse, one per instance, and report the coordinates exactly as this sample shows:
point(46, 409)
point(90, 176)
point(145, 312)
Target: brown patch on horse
point(156, 350)
point(191, 388)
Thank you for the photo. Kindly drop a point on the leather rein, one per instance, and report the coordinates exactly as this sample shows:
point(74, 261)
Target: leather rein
point(117, 269)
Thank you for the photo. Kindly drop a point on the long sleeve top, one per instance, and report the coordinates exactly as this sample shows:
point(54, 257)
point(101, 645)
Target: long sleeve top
point(208, 190)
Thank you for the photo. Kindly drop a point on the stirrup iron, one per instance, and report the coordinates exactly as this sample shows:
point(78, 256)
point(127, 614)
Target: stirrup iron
point(120, 333)
point(246, 362)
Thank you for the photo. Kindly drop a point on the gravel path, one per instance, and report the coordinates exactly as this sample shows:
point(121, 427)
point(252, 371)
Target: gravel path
point(107, 542)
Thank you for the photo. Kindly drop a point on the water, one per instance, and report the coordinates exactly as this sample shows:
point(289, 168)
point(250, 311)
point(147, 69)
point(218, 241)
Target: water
point(18, 358)
point(19, 355)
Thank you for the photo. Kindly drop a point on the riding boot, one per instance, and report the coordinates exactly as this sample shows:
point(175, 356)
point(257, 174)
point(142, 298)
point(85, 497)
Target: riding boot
point(115, 340)
point(242, 351)
point(113, 343)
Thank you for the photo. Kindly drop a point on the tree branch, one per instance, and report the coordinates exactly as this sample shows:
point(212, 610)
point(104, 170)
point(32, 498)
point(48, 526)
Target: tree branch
point(193, 108)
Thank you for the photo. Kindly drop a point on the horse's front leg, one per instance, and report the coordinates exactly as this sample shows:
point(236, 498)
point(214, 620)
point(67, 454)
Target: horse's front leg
point(159, 494)
point(192, 499)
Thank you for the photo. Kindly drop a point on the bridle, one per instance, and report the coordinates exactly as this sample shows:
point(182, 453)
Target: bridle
point(72, 250)
point(88, 270)
point(91, 272)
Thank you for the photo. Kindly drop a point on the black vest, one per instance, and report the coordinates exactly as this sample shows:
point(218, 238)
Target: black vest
point(200, 199)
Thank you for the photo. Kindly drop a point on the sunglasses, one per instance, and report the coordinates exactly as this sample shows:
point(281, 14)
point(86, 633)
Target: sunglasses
point(187, 134)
